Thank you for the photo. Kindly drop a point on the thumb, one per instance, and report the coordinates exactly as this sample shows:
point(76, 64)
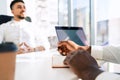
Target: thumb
point(20, 44)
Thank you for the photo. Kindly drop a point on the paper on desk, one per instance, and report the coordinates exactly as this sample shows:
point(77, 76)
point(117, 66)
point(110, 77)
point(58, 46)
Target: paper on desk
point(57, 61)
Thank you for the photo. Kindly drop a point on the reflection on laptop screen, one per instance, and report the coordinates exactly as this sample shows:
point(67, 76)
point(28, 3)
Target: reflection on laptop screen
point(75, 34)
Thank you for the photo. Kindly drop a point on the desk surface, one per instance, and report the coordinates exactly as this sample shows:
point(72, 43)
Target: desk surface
point(38, 66)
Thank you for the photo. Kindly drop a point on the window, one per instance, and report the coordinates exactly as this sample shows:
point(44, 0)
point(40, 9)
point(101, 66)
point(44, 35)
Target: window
point(75, 13)
point(63, 12)
point(107, 22)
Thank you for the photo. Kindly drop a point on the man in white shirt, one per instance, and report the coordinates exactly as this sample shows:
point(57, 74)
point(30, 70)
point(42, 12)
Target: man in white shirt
point(81, 59)
point(19, 30)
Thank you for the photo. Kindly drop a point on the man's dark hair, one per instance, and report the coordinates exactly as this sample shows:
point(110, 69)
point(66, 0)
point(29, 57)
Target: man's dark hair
point(15, 1)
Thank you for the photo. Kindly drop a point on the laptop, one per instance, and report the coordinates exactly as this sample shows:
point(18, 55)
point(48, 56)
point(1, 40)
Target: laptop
point(75, 34)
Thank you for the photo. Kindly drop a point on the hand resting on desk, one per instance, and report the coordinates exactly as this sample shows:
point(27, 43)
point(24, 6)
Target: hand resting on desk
point(25, 48)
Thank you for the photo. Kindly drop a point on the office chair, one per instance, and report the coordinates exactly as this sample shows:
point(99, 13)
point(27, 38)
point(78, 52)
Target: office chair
point(6, 18)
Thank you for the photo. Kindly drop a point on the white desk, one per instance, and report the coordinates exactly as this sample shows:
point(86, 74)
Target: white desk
point(38, 66)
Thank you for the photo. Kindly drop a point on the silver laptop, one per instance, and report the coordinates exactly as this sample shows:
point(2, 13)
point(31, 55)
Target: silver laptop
point(75, 34)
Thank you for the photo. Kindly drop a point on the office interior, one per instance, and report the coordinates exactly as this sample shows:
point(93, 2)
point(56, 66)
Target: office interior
point(100, 20)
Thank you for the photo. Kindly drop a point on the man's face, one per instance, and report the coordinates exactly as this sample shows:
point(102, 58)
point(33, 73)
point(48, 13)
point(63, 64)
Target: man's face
point(19, 10)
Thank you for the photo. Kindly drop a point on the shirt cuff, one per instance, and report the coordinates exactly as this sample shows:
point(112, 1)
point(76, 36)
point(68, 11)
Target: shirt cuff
point(108, 76)
point(97, 52)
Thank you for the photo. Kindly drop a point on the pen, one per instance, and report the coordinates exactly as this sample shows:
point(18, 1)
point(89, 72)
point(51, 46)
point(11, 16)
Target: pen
point(67, 38)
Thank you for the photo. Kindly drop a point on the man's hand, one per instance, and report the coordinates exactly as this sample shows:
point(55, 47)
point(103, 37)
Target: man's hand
point(65, 47)
point(28, 48)
point(20, 50)
point(83, 64)
point(40, 48)
point(24, 48)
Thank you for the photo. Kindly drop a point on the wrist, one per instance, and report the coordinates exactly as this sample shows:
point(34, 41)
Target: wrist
point(89, 49)
point(36, 49)
point(86, 48)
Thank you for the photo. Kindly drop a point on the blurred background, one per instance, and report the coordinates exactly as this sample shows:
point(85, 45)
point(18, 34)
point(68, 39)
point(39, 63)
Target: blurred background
point(100, 19)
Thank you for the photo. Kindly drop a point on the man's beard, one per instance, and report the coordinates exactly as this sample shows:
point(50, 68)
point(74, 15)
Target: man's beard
point(20, 17)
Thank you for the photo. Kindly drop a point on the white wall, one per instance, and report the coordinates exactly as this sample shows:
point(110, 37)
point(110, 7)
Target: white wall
point(102, 9)
point(113, 9)
point(114, 21)
point(109, 10)
point(114, 31)
point(3, 6)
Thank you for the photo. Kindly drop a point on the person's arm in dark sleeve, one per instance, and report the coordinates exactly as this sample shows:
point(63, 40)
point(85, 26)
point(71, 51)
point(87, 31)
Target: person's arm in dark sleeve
point(86, 67)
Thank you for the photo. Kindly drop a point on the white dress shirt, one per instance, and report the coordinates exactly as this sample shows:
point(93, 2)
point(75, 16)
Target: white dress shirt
point(109, 54)
point(17, 32)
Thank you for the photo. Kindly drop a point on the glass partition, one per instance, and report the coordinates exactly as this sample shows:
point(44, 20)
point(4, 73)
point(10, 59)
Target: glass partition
point(75, 13)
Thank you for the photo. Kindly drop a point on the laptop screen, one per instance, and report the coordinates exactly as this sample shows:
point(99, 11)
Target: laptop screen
point(75, 34)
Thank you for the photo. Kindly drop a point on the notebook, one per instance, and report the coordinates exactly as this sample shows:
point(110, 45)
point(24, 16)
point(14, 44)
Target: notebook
point(57, 61)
